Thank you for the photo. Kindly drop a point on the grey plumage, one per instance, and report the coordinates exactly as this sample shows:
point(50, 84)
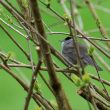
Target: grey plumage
point(69, 52)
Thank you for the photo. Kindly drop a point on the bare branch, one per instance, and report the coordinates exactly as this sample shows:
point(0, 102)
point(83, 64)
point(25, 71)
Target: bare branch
point(59, 93)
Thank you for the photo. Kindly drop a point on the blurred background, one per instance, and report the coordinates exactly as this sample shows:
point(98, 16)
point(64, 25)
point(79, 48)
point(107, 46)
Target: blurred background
point(12, 95)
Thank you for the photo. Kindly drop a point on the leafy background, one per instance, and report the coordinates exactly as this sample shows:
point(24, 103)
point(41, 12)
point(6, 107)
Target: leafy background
point(12, 95)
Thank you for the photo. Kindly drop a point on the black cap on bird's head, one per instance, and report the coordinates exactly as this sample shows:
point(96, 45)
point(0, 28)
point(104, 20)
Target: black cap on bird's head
point(67, 38)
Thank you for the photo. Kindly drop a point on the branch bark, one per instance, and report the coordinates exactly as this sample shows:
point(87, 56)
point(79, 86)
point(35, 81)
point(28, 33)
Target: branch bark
point(62, 101)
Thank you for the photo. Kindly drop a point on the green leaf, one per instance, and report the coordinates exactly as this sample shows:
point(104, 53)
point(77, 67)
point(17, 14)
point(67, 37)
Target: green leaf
point(76, 80)
point(38, 108)
point(25, 3)
point(86, 78)
point(66, 16)
point(10, 20)
point(48, 2)
point(11, 54)
point(37, 86)
point(90, 50)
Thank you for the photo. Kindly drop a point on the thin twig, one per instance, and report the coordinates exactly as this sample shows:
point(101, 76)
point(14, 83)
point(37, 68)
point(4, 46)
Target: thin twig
point(46, 83)
point(85, 37)
point(9, 3)
point(59, 70)
point(56, 86)
point(73, 34)
point(26, 88)
point(30, 91)
point(10, 26)
point(98, 21)
point(15, 42)
point(78, 36)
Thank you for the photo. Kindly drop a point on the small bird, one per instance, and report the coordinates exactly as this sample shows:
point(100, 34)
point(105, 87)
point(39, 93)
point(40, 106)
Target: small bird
point(69, 52)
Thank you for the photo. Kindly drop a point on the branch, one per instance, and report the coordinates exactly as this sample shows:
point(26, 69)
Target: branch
point(35, 96)
point(57, 88)
point(15, 42)
point(101, 103)
point(98, 22)
point(30, 91)
point(63, 70)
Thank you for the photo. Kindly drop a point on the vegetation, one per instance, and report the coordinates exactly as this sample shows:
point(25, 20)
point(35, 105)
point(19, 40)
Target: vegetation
point(30, 52)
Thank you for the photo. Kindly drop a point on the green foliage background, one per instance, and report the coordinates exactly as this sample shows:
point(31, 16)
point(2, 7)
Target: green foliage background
point(12, 95)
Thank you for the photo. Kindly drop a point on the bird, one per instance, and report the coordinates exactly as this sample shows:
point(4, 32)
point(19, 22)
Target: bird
point(69, 52)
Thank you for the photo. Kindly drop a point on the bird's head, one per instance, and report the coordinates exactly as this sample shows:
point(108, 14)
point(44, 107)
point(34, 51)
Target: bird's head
point(67, 39)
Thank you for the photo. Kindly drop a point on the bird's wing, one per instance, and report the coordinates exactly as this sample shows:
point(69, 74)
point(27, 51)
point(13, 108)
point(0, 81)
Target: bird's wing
point(88, 60)
point(68, 49)
point(70, 56)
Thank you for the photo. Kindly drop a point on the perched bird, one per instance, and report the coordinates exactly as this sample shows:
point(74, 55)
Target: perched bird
point(69, 52)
